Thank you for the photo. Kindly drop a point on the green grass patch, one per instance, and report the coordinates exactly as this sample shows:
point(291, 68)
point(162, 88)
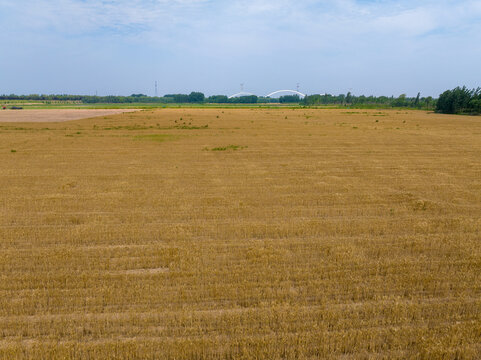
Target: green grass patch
point(188, 127)
point(228, 147)
point(128, 127)
point(155, 137)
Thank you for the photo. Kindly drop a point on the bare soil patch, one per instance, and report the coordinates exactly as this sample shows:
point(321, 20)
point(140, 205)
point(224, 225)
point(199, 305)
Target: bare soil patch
point(56, 115)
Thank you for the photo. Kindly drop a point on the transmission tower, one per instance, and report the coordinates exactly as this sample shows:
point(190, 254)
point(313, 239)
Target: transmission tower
point(156, 88)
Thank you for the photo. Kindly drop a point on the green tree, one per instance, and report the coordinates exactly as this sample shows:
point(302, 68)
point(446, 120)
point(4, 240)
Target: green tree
point(290, 99)
point(249, 99)
point(455, 101)
point(400, 101)
point(349, 98)
point(218, 99)
point(196, 97)
point(416, 102)
point(181, 98)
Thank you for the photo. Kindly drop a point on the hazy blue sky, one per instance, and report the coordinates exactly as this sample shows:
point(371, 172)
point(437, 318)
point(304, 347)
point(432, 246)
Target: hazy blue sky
point(122, 47)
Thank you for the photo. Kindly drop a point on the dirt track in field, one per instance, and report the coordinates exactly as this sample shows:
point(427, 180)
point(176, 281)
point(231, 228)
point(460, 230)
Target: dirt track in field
point(56, 115)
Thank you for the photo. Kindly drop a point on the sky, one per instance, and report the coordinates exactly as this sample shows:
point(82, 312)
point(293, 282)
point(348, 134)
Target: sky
point(110, 47)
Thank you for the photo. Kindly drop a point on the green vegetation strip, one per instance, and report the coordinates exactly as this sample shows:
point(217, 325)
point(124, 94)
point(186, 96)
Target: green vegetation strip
point(156, 137)
point(226, 148)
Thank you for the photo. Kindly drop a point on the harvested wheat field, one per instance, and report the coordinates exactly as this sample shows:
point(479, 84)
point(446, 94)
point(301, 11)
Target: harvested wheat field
point(242, 234)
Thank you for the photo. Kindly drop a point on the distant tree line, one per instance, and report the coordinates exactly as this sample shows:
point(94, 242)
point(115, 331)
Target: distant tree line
point(290, 99)
point(89, 99)
point(193, 97)
point(362, 100)
point(222, 99)
point(460, 101)
point(456, 101)
point(199, 98)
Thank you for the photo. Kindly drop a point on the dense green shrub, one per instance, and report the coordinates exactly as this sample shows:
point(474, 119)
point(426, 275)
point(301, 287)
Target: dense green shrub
point(460, 101)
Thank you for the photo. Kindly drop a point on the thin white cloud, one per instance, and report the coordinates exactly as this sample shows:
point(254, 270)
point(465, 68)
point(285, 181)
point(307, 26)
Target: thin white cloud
point(77, 17)
point(307, 17)
point(260, 36)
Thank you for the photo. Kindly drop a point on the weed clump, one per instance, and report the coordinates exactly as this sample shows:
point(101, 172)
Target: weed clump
point(191, 127)
point(155, 137)
point(228, 147)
